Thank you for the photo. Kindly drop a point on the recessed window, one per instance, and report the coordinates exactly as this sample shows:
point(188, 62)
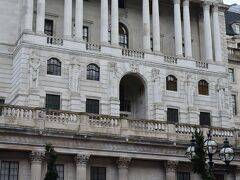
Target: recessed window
point(123, 36)
point(48, 27)
point(238, 45)
point(52, 102)
point(205, 118)
point(172, 115)
point(85, 34)
point(203, 88)
point(231, 74)
point(60, 171)
point(92, 106)
point(171, 83)
point(2, 102)
point(54, 67)
point(93, 72)
point(234, 104)
point(9, 170)
point(121, 4)
point(98, 173)
point(183, 175)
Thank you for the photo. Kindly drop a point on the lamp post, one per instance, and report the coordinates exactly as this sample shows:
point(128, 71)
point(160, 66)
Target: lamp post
point(210, 148)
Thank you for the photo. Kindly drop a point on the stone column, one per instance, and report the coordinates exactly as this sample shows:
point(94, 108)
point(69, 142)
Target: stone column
point(216, 35)
point(67, 19)
point(114, 23)
point(36, 165)
point(207, 32)
point(40, 16)
point(187, 29)
point(81, 166)
point(146, 26)
point(178, 28)
point(123, 164)
point(104, 21)
point(79, 20)
point(171, 169)
point(28, 22)
point(156, 26)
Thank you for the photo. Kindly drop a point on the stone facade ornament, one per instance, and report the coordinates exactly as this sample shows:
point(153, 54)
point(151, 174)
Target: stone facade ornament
point(189, 87)
point(157, 86)
point(171, 165)
point(37, 156)
point(113, 83)
point(221, 89)
point(34, 65)
point(82, 159)
point(123, 162)
point(74, 75)
point(134, 67)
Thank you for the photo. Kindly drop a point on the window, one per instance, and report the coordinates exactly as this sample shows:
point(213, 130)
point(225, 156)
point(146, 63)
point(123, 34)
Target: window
point(98, 173)
point(2, 102)
point(54, 67)
point(85, 34)
point(9, 170)
point(237, 28)
point(92, 106)
point(183, 175)
point(231, 74)
point(60, 171)
point(171, 83)
point(52, 102)
point(234, 104)
point(172, 115)
point(123, 36)
point(48, 27)
point(203, 88)
point(121, 3)
point(93, 72)
point(205, 118)
point(238, 45)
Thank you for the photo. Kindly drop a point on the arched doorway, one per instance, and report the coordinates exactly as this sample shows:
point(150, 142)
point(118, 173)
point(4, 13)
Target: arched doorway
point(132, 93)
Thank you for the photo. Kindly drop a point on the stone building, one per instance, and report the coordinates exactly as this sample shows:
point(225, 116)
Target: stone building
point(116, 86)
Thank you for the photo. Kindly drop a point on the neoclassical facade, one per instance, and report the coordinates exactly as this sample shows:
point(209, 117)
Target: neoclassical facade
point(116, 86)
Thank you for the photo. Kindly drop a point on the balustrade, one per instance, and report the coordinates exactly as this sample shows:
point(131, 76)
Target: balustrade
point(201, 65)
point(170, 59)
point(54, 41)
point(103, 121)
point(144, 125)
point(133, 53)
point(93, 47)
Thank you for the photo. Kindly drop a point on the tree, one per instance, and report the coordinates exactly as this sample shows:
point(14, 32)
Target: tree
point(51, 156)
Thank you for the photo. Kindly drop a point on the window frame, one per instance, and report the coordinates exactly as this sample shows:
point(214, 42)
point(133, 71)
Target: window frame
point(54, 67)
point(234, 104)
point(46, 101)
point(97, 176)
point(170, 118)
point(93, 72)
point(202, 122)
point(62, 172)
point(201, 90)
point(52, 30)
point(171, 85)
point(9, 170)
point(85, 38)
point(231, 73)
point(90, 106)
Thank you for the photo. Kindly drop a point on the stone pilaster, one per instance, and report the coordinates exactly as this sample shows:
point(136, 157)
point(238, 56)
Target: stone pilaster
point(171, 167)
point(36, 164)
point(123, 164)
point(81, 166)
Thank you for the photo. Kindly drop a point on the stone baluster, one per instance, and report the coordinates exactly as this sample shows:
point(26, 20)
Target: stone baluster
point(81, 166)
point(171, 169)
point(67, 19)
point(146, 25)
point(187, 29)
point(79, 20)
point(123, 164)
point(36, 165)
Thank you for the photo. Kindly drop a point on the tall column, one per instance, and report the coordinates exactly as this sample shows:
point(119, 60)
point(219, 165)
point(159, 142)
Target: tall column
point(156, 26)
point(40, 16)
point(207, 31)
point(123, 164)
point(28, 22)
point(114, 23)
point(187, 29)
point(146, 26)
point(79, 20)
point(104, 21)
point(178, 28)
point(217, 35)
point(171, 169)
point(36, 165)
point(81, 166)
point(67, 18)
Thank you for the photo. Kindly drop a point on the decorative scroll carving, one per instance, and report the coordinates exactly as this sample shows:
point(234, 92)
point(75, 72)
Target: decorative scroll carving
point(123, 162)
point(37, 156)
point(171, 165)
point(81, 159)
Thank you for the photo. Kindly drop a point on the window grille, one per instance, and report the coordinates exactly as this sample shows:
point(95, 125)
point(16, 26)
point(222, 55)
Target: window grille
point(93, 72)
point(54, 67)
point(9, 170)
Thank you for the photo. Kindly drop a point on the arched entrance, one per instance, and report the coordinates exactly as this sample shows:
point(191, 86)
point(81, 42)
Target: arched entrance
point(132, 93)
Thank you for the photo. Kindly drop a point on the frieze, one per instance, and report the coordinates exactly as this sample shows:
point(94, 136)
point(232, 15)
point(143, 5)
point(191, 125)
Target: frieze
point(123, 162)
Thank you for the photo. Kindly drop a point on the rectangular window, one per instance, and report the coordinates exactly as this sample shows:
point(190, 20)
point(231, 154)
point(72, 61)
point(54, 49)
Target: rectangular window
point(98, 173)
point(231, 74)
point(121, 3)
point(183, 175)
point(85, 34)
point(52, 102)
point(238, 45)
point(234, 104)
point(237, 29)
point(2, 102)
point(48, 27)
point(92, 106)
point(205, 118)
point(172, 115)
point(60, 171)
point(9, 170)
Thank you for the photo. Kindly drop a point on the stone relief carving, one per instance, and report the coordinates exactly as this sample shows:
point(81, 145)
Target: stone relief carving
point(157, 86)
point(34, 65)
point(134, 67)
point(171, 165)
point(123, 162)
point(113, 82)
point(190, 89)
point(37, 156)
point(82, 159)
point(221, 89)
point(74, 76)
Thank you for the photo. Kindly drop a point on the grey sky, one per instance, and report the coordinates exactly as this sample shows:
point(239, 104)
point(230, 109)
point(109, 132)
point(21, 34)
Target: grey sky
point(231, 1)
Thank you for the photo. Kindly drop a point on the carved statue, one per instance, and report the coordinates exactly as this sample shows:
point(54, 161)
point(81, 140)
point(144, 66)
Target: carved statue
point(157, 88)
point(190, 90)
point(74, 77)
point(34, 70)
point(113, 79)
point(134, 67)
point(221, 94)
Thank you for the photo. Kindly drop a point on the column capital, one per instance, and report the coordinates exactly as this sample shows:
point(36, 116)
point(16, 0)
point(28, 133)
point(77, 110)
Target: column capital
point(37, 156)
point(176, 1)
point(185, 2)
point(215, 7)
point(206, 4)
point(82, 159)
point(171, 165)
point(123, 162)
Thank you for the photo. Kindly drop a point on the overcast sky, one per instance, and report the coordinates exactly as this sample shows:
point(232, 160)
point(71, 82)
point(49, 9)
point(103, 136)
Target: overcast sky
point(231, 1)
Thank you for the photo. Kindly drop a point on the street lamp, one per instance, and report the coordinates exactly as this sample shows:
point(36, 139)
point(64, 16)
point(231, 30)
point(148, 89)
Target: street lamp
point(210, 148)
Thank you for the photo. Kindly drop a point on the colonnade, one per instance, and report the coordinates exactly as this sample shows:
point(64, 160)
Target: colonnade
point(212, 41)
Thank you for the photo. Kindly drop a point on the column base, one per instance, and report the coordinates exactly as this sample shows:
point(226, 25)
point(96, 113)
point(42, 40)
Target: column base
point(40, 33)
point(68, 37)
point(158, 52)
point(27, 31)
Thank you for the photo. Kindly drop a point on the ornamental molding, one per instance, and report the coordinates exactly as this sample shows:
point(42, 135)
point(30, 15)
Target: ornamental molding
point(123, 162)
point(81, 159)
point(171, 165)
point(37, 156)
